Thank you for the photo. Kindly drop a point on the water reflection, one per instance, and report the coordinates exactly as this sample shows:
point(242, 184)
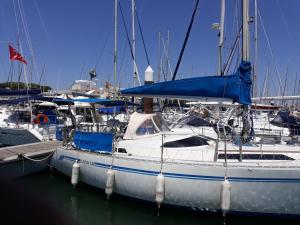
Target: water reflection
point(73, 207)
point(89, 206)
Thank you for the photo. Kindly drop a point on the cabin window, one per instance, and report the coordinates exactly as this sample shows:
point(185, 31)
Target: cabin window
point(86, 113)
point(256, 156)
point(147, 127)
point(121, 150)
point(186, 142)
point(160, 123)
point(79, 111)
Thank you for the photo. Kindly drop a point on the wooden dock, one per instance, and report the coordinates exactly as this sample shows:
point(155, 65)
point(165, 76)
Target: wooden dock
point(20, 160)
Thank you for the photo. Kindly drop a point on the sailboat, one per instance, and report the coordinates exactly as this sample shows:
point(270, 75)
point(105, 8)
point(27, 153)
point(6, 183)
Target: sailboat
point(151, 163)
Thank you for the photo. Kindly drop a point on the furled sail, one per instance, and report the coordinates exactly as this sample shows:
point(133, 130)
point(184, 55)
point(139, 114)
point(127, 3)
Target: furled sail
point(236, 87)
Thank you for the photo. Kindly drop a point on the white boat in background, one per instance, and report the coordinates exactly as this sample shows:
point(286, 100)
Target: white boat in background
point(16, 127)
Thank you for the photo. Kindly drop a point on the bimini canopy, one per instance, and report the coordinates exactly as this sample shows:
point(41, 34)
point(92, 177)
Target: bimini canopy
point(236, 87)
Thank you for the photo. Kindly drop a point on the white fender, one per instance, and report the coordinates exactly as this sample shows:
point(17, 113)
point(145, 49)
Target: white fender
point(225, 196)
point(160, 189)
point(110, 179)
point(75, 174)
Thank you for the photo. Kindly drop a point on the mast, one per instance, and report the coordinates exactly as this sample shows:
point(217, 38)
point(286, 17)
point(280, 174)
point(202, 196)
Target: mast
point(159, 58)
point(115, 48)
point(221, 38)
point(246, 129)
point(133, 40)
point(245, 31)
point(254, 94)
point(19, 66)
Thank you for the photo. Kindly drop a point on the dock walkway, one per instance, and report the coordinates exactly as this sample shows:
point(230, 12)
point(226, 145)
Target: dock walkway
point(20, 160)
point(28, 150)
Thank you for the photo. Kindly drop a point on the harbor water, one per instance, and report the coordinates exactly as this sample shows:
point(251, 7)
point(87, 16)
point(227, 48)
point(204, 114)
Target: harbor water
point(86, 205)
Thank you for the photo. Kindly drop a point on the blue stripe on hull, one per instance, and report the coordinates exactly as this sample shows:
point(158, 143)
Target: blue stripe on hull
point(185, 176)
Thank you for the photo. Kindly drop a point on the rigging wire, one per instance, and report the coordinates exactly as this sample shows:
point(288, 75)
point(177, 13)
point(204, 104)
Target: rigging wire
point(103, 48)
point(27, 35)
point(285, 22)
point(185, 40)
point(167, 58)
point(122, 61)
point(294, 93)
point(16, 17)
point(270, 49)
point(127, 34)
point(41, 18)
point(263, 87)
point(231, 54)
point(19, 44)
point(129, 42)
point(142, 36)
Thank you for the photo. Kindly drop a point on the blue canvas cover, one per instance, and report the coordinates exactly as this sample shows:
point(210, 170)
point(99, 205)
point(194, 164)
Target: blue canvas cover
point(91, 100)
point(111, 110)
point(28, 98)
point(8, 92)
point(95, 142)
point(51, 116)
point(118, 103)
point(59, 134)
point(236, 87)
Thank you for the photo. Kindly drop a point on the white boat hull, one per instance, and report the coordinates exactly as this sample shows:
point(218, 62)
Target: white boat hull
point(255, 188)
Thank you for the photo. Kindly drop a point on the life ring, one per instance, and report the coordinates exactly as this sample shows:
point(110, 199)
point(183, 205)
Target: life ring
point(44, 118)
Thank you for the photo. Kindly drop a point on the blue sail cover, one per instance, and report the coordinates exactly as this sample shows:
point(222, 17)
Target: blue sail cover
point(95, 142)
point(236, 87)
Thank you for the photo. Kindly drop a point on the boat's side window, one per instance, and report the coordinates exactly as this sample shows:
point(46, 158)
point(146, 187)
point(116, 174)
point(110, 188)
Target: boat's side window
point(160, 123)
point(79, 111)
point(147, 127)
point(121, 150)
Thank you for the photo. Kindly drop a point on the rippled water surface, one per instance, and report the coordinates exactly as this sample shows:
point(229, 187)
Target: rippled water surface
point(89, 206)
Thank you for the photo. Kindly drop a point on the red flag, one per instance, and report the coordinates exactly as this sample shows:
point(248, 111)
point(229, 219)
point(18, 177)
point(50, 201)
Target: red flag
point(14, 55)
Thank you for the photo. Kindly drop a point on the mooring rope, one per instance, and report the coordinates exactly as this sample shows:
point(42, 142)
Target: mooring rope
point(38, 160)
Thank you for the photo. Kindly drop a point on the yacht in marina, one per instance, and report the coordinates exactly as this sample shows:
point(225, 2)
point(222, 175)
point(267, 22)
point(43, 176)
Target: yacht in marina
point(230, 172)
point(150, 162)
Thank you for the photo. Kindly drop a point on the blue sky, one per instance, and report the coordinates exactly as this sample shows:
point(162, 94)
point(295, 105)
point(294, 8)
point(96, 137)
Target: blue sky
point(70, 35)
